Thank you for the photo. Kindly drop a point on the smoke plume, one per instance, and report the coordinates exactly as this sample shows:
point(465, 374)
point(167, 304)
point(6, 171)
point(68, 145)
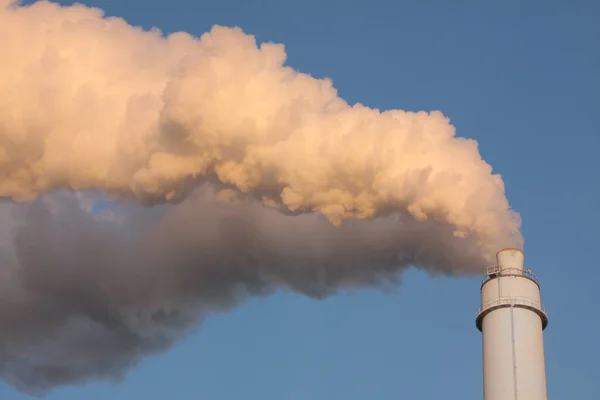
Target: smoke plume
point(260, 178)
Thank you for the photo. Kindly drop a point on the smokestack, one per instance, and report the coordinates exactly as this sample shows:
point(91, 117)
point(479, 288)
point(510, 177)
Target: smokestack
point(511, 319)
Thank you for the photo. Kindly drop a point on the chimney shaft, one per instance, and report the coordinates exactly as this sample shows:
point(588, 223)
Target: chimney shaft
point(512, 319)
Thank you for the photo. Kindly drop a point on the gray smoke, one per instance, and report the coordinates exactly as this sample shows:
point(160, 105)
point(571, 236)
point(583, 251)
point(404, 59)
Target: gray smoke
point(86, 296)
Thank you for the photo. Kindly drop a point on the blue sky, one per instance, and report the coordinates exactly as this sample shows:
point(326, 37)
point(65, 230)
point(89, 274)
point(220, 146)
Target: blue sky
point(519, 77)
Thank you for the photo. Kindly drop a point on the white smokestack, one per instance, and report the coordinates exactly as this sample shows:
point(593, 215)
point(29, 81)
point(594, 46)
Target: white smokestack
point(271, 180)
point(512, 319)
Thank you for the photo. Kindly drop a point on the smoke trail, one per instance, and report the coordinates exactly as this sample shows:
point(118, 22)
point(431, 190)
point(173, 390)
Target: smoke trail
point(93, 103)
point(87, 298)
point(270, 180)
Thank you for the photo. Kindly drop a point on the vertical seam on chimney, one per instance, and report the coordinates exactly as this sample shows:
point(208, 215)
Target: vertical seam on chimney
point(512, 337)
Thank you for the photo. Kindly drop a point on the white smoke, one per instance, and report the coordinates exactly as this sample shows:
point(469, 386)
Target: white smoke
point(271, 181)
point(94, 103)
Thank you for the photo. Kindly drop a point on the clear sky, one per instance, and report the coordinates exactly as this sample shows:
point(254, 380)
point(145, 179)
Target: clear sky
point(522, 78)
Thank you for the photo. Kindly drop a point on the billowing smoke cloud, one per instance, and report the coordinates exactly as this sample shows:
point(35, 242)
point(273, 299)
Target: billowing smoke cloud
point(261, 179)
